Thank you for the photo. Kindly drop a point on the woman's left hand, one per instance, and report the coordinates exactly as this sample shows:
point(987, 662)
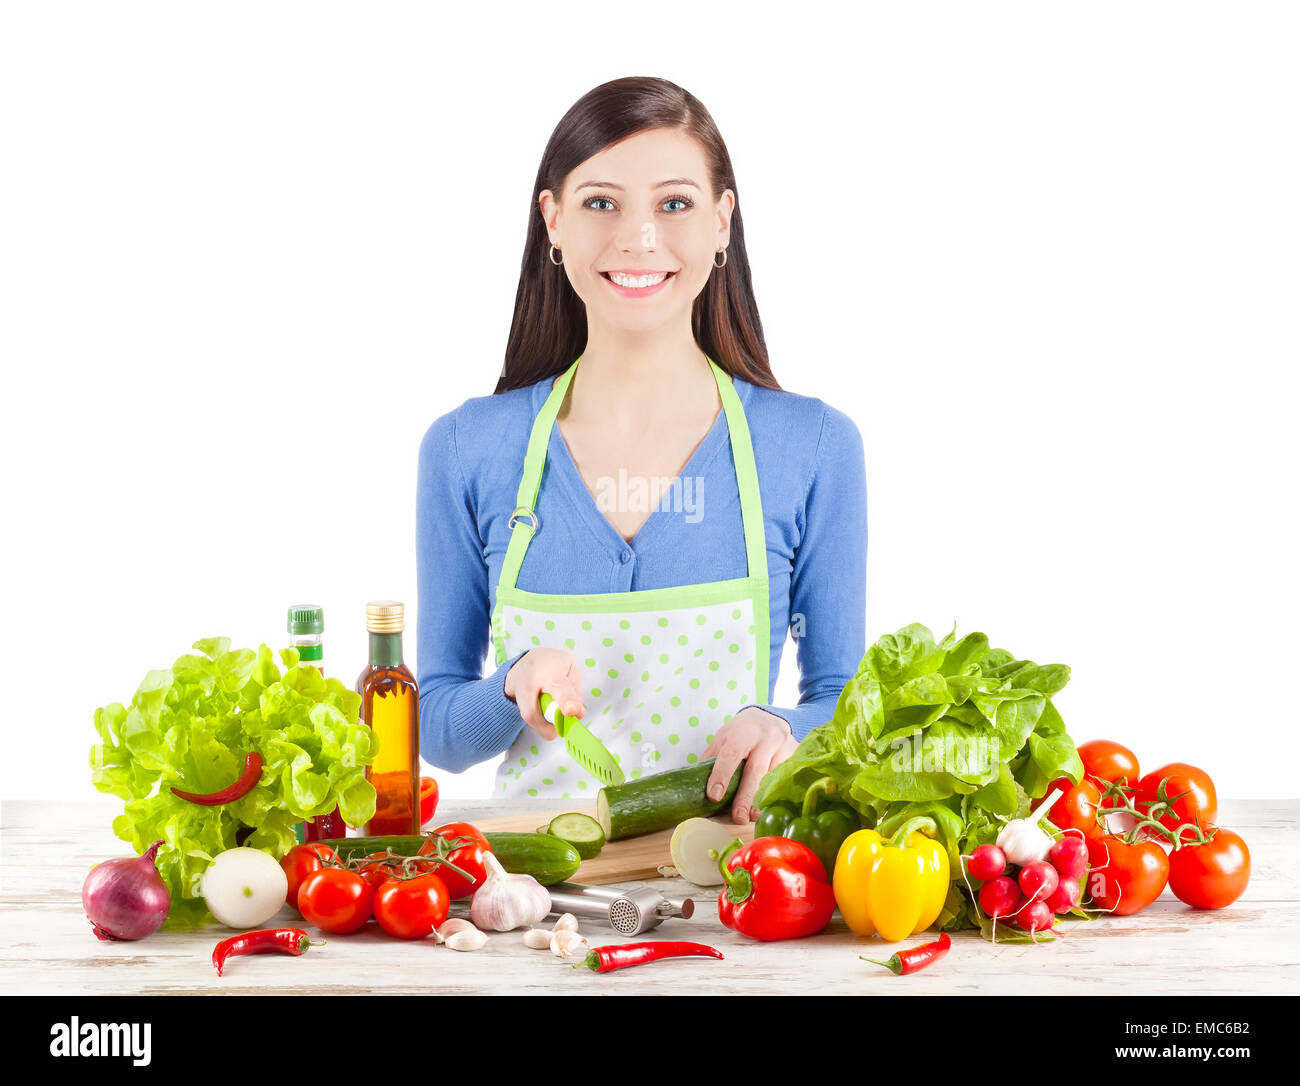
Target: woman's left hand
point(756, 737)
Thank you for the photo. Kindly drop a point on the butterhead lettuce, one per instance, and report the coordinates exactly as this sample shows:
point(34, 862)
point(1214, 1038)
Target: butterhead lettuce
point(192, 725)
point(953, 729)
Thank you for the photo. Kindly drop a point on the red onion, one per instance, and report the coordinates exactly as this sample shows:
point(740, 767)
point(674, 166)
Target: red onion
point(126, 899)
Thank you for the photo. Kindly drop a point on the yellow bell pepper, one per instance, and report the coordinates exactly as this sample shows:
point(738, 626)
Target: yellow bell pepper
point(891, 888)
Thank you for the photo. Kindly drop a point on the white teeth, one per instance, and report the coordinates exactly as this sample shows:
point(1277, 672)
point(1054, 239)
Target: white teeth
point(637, 281)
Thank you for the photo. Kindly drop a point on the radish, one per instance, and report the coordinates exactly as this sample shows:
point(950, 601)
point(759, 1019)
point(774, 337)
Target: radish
point(1035, 916)
point(999, 897)
point(1038, 880)
point(1069, 856)
point(986, 862)
point(1066, 896)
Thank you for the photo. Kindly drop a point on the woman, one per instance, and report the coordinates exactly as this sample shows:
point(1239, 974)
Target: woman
point(639, 514)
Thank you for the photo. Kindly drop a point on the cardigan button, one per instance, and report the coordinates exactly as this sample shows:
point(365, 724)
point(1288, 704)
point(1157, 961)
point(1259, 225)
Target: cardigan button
point(625, 557)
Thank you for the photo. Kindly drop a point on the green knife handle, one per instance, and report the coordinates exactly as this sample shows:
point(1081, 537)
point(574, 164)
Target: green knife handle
point(551, 711)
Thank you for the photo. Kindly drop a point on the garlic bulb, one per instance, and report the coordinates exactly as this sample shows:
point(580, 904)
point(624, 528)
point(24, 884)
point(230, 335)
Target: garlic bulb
point(1023, 840)
point(506, 901)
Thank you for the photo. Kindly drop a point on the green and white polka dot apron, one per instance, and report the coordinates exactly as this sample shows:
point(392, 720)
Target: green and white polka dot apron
point(663, 669)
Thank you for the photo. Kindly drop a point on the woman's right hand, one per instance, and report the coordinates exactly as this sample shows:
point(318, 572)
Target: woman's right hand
point(550, 671)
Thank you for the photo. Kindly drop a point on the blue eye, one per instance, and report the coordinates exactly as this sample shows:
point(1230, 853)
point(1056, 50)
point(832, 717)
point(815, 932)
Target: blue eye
point(598, 199)
point(684, 201)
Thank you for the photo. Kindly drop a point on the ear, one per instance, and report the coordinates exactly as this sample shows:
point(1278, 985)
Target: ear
point(549, 206)
point(726, 205)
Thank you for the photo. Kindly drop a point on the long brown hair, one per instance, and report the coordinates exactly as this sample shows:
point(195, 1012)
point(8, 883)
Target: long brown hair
point(549, 329)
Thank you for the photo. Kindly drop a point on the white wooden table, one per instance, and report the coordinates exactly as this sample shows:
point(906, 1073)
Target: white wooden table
point(46, 946)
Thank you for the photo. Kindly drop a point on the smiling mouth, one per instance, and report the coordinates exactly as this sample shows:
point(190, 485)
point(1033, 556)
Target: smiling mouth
point(636, 282)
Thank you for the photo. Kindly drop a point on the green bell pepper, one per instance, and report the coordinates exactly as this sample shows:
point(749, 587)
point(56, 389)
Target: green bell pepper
point(820, 825)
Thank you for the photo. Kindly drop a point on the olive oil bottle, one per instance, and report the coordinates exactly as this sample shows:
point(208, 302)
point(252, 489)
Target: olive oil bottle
point(390, 706)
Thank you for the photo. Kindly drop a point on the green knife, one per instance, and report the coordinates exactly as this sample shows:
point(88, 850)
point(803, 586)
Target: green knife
point(585, 749)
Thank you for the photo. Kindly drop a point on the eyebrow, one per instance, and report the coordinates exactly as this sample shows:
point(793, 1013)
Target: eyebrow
point(611, 185)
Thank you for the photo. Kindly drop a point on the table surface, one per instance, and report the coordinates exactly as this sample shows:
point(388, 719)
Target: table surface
point(46, 946)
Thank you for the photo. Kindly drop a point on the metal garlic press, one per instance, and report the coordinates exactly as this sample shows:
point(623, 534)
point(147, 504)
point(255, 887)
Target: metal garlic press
point(628, 912)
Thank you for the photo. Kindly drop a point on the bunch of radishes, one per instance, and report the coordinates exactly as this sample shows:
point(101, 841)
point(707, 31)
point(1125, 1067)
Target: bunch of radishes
point(1028, 877)
point(1030, 894)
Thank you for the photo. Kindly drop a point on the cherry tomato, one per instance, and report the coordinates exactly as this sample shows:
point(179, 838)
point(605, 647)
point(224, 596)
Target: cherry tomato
point(1125, 878)
point(412, 908)
point(1198, 802)
point(300, 861)
point(336, 900)
point(467, 856)
point(1077, 807)
point(428, 799)
point(1211, 875)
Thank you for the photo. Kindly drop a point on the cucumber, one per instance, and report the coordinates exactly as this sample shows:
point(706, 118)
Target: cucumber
point(660, 801)
point(581, 831)
point(547, 859)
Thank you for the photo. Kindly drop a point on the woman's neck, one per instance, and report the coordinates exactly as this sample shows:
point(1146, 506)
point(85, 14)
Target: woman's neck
point(640, 375)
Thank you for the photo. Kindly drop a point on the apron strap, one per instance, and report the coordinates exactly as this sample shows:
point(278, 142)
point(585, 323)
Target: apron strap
point(524, 523)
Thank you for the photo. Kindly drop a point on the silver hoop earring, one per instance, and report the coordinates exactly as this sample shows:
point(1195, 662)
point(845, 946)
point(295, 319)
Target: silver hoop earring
point(724, 259)
point(551, 254)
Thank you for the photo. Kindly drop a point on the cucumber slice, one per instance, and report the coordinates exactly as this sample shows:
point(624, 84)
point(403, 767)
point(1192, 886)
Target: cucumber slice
point(581, 831)
point(543, 829)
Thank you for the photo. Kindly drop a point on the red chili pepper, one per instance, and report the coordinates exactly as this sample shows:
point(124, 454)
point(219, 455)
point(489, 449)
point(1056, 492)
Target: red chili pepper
point(293, 941)
point(605, 959)
point(776, 889)
point(246, 783)
point(909, 961)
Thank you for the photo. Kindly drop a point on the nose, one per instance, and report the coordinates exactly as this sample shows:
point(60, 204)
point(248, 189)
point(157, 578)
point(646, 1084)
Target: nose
point(636, 235)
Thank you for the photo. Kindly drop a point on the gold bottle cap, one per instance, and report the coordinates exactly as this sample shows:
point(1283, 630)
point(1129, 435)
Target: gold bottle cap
point(385, 616)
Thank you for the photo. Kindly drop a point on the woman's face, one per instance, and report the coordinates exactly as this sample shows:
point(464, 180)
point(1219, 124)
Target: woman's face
point(637, 228)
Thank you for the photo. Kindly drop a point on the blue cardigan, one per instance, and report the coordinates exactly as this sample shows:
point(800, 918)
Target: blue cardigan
point(813, 484)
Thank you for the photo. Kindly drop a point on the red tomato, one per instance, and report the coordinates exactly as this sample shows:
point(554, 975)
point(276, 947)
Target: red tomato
point(1077, 807)
point(468, 856)
point(1108, 761)
point(412, 908)
point(428, 799)
point(1211, 875)
point(300, 861)
point(1125, 878)
point(1190, 789)
point(336, 900)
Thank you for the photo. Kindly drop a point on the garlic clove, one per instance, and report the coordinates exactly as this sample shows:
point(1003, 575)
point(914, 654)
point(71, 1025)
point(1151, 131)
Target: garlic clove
point(450, 927)
point(537, 939)
point(466, 939)
point(568, 922)
point(565, 942)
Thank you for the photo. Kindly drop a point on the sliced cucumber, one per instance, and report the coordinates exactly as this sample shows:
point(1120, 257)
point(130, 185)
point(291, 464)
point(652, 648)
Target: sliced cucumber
point(543, 829)
point(581, 831)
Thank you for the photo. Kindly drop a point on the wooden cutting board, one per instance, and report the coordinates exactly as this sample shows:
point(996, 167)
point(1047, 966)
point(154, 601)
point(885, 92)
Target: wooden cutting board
point(630, 860)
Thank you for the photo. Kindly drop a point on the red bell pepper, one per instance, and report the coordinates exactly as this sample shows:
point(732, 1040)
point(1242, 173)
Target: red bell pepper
point(776, 888)
point(463, 845)
point(428, 799)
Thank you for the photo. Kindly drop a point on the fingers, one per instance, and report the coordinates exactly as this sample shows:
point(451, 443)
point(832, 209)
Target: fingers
point(532, 713)
point(546, 671)
point(730, 750)
point(756, 767)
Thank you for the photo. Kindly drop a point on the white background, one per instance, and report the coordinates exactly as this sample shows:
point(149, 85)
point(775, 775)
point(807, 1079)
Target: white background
point(1045, 255)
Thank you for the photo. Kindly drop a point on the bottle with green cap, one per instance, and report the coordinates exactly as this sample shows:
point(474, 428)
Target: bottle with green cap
point(306, 625)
